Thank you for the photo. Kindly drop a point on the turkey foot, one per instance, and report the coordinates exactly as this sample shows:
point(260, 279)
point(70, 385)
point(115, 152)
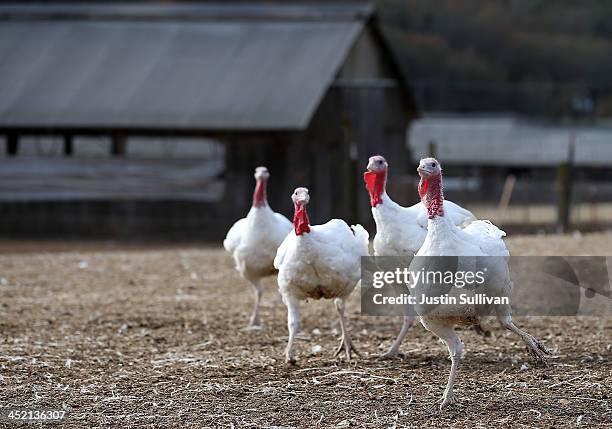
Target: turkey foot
point(392, 354)
point(290, 359)
point(253, 327)
point(447, 399)
point(537, 349)
point(347, 345)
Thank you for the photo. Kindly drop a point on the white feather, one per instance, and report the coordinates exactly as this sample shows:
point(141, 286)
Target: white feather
point(324, 263)
point(401, 231)
point(253, 241)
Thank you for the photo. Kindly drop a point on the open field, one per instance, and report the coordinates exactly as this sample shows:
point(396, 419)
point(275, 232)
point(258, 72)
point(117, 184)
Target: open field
point(146, 337)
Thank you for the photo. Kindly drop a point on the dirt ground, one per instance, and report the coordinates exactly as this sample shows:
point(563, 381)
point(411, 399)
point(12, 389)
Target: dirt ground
point(141, 337)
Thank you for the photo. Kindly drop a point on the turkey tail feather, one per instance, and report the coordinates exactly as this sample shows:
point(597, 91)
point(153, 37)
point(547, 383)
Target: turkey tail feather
point(362, 237)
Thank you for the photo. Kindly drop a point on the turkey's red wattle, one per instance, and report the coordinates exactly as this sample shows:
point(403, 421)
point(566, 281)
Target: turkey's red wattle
point(423, 185)
point(259, 196)
point(301, 224)
point(434, 196)
point(375, 184)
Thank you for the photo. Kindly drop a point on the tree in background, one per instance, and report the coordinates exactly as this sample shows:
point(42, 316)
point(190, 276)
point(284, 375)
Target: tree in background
point(529, 56)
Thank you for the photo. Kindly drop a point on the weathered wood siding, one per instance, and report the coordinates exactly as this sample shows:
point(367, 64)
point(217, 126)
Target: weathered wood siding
point(62, 179)
point(313, 159)
point(375, 119)
point(163, 169)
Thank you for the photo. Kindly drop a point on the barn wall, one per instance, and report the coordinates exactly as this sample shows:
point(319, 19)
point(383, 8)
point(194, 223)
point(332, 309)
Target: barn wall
point(159, 189)
point(366, 60)
point(362, 114)
point(375, 125)
point(246, 152)
point(317, 158)
point(151, 169)
point(331, 173)
point(117, 220)
point(375, 119)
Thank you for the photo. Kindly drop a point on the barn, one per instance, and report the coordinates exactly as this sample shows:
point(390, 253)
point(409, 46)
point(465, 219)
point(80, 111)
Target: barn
point(480, 151)
point(148, 120)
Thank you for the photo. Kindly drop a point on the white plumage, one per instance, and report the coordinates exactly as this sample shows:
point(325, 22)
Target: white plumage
point(321, 261)
point(480, 238)
point(253, 240)
point(401, 231)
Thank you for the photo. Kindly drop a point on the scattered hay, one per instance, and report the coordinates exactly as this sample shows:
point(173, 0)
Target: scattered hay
point(135, 339)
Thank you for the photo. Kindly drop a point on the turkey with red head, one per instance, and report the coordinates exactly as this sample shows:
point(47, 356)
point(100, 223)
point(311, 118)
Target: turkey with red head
point(319, 261)
point(480, 239)
point(253, 240)
point(401, 231)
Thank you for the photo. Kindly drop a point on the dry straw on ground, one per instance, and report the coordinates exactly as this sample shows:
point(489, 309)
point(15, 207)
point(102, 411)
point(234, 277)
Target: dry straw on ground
point(154, 338)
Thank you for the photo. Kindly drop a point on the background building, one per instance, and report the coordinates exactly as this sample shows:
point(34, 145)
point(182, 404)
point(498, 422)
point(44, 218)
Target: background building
point(149, 119)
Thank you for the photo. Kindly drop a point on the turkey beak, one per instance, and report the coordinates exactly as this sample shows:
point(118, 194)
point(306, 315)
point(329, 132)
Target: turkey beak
point(261, 175)
point(301, 199)
point(370, 166)
point(423, 171)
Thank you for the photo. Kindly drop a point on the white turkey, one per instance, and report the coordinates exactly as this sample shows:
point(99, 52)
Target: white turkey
point(321, 261)
point(253, 240)
point(400, 231)
point(480, 238)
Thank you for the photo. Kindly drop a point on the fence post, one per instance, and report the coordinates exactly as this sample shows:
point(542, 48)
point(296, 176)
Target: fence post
point(12, 144)
point(119, 145)
point(68, 145)
point(564, 188)
point(504, 201)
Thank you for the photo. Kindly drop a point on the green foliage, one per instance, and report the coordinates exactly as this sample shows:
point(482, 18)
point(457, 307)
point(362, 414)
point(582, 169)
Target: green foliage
point(533, 56)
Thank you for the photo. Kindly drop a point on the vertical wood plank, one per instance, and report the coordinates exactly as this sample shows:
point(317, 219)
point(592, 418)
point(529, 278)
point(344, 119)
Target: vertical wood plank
point(68, 145)
point(12, 144)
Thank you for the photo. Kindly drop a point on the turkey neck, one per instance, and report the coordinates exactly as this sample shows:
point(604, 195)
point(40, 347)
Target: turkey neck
point(260, 198)
point(432, 195)
point(375, 184)
point(301, 224)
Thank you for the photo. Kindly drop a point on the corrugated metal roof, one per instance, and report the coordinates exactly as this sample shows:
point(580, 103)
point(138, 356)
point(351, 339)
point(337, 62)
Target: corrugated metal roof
point(168, 74)
point(191, 11)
